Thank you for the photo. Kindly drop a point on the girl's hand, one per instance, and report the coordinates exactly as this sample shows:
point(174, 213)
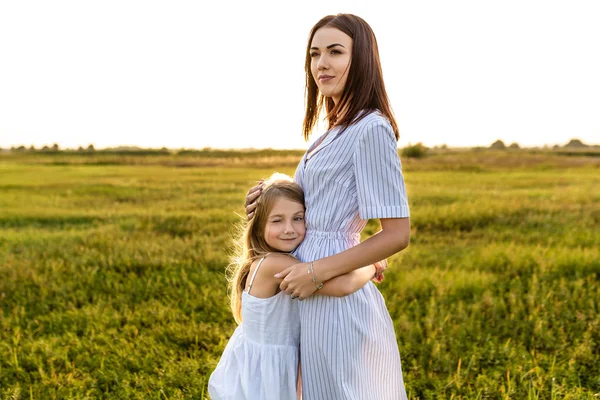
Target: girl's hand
point(380, 266)
point(251, 198)
point(297, 281)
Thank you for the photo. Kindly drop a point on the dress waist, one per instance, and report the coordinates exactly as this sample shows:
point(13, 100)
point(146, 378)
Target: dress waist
point(333, 235)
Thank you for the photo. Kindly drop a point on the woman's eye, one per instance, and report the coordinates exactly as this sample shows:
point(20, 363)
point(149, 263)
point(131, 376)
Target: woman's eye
point(299, 218)
point(314, 54)
point(336, 52)
point(275, 221)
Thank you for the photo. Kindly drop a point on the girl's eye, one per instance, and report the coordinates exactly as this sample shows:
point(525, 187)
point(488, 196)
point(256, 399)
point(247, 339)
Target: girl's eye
point(276, 221)
point(336, 52)
point(313, 54)
point(299, 219)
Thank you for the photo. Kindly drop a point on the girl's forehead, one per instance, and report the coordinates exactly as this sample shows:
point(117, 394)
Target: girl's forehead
point(283, 204)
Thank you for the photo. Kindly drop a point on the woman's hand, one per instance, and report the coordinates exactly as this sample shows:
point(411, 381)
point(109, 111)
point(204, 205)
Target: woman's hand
point(297, 281)
point(251, 198)
point(380, 266)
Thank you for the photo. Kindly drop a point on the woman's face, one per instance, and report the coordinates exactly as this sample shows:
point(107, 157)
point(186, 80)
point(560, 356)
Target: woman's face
point(331, 54)
point(285, 227)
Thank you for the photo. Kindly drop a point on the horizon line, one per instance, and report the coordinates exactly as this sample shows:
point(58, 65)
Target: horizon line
point(211, 148)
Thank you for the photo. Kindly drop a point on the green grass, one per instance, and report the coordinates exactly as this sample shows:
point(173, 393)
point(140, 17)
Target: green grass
point(112, 273)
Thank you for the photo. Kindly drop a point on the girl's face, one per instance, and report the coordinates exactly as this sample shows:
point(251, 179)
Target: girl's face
point(331, 53)
point(285, 228)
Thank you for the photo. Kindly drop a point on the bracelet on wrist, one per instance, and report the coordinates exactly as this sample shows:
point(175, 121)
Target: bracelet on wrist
point(311, 270)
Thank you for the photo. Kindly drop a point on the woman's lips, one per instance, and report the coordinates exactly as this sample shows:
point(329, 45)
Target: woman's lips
point(325, 78)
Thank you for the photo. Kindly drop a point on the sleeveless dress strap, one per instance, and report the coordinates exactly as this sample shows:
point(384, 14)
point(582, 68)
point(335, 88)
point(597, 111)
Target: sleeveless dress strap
point(254, 275)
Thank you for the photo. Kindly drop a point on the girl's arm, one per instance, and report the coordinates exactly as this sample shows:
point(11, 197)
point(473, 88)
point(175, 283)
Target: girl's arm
point(393, 237)
point(349, 283)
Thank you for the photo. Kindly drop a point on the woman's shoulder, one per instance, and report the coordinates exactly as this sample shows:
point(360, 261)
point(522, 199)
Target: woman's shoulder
point(373, 123)
point(375, 117)
point(367, 120)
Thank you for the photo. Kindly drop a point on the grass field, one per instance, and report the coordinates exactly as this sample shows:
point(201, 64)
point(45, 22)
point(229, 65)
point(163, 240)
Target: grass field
point(112, 273)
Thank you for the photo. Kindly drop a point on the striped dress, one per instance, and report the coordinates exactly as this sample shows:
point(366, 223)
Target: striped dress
point(348, 345)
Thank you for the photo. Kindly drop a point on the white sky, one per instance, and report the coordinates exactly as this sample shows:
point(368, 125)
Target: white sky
point(230, 74)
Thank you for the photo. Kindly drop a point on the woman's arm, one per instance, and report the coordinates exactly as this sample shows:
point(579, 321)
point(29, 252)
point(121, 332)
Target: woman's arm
point(349, 283)
point(393, 237)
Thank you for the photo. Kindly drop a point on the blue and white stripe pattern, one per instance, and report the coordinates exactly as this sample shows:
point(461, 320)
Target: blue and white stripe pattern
point(348, 345)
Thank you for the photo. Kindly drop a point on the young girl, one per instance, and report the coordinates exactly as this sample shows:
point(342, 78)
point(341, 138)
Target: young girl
point(261, 360)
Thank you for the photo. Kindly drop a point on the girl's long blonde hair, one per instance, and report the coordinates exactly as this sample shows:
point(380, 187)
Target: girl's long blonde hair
point(250, 243)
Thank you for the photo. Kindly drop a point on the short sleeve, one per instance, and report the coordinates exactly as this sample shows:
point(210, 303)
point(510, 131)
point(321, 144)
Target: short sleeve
point(379, 181)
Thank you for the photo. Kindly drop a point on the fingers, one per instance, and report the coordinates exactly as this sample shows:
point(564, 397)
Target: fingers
point(251, 197)
point(288, 288)
point(253, 194)
point(293, 285)
point(284, 273)
point(297, 297)
point(378, 278)
point(299, 292)
point(250, 208)
point(285, 284)
point(380, 266)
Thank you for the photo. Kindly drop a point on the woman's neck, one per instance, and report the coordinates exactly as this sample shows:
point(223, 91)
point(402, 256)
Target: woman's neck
point(341, 113)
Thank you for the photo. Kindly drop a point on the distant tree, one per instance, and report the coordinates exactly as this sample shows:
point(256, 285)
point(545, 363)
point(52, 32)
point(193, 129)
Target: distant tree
point(415, 151)
point(556, 146)
point(45, 149)
point(514, 145)
point(20, 149)
point(80, 149)
point(498, 145)
point(32, 148)
point(90, 148)
point(55, 147)
point(164, 150)
point(575, 143)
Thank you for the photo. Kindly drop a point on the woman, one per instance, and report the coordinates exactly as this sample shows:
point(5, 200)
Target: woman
point(351, 174)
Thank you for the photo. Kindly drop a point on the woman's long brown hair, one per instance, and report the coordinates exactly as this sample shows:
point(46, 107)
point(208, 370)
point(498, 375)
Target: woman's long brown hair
point(251, 244)
point(364, 90)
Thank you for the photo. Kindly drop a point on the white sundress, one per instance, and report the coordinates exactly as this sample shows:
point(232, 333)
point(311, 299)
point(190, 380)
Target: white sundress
point(260, 361)
point(348, 345)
